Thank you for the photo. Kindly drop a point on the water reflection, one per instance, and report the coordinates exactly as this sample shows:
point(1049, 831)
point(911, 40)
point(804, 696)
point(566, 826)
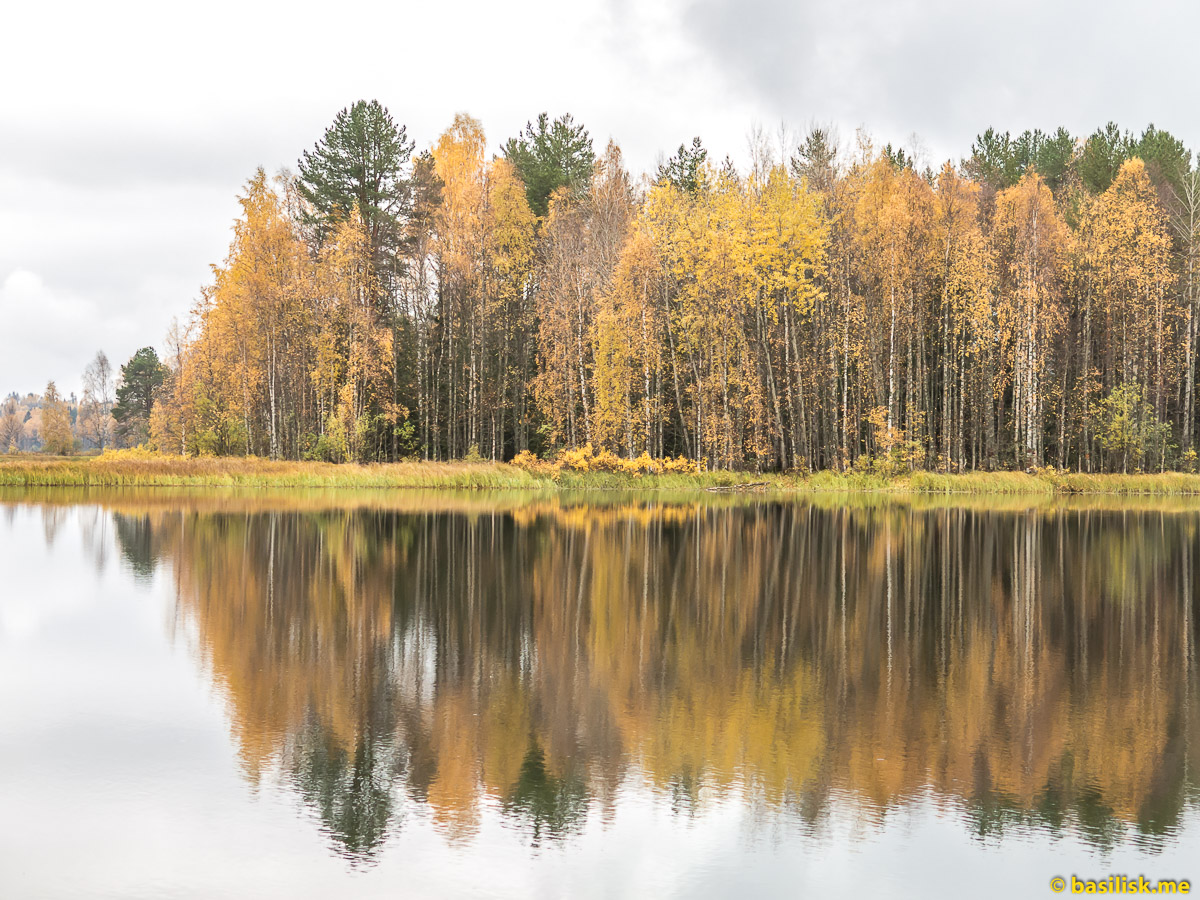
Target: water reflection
point(1030, 669)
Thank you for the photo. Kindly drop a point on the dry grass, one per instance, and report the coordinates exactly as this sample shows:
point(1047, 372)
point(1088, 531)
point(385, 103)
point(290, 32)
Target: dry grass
point(118, 470)
point(140, 469)
point(1166, 484)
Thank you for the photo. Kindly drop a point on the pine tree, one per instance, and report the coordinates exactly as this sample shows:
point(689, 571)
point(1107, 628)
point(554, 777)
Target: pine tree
point(141, 377)
point(361, 162)
point(550, 156)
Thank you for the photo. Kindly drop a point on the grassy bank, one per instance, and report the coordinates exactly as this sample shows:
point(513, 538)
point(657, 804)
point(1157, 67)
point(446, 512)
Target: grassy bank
point(140, 470)
point(1166, 484)
point(131, 471)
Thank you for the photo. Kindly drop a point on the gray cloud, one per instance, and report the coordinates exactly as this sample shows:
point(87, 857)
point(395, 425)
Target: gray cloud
point(946, 69)
point(129, 154)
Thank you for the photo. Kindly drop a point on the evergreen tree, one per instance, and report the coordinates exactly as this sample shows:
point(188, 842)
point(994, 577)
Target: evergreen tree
point(1102, 156)
point(816, 160)
point(1167, 160)
point(140, 379)
point(549, 156)
point(360, 162)
point(685, 170)
point(992, 161)
point(1050, 155)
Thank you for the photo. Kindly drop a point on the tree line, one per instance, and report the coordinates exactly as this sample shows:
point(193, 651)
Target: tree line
point(835, 305)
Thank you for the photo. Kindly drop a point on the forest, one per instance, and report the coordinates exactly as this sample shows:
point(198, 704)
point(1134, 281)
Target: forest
point(837, 305)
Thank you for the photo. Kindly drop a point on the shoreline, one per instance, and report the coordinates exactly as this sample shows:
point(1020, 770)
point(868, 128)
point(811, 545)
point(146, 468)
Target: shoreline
point(136, 470)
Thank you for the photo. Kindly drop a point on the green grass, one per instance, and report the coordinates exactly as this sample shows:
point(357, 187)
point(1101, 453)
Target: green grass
point(1166, 484)
point(133, 469)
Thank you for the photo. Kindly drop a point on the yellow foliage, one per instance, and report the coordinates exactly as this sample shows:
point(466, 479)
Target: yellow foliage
point(585, 459)
point(530, 462)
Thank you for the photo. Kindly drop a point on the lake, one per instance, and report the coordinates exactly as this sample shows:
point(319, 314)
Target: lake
point(217, 693)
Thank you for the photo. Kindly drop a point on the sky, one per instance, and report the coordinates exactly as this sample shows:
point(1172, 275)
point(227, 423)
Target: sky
point(128, 129)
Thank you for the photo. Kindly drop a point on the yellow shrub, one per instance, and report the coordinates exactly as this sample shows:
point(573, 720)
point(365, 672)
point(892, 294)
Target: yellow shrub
point(529, 461)
point(586, 459)
point(680, 465)
point(578, 460)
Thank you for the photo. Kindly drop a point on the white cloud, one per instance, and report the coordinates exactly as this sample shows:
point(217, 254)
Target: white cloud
point(44, 333)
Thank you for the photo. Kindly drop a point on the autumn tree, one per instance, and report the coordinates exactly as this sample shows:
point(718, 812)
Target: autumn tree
point(55, 428)
point(892, 218)
point(1030, 241)
point(95, 408)
point(967, 319)
point(484, 315)
point(582, 241)
point(627, 319)
point(257, 318)
point(1130, 283)
point(509, 272)
point(354, 353)
point(12, 425)
point(835, 187)
point(461, 168)
point(728, 278)
point(418, 301)
point(1129, 430)
point(822, 311)
point(1184, 212)
point(789, 316)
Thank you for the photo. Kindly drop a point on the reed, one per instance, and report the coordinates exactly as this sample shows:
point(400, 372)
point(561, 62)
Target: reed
point(115, 470)
point(1164, 484)
point(140, 469)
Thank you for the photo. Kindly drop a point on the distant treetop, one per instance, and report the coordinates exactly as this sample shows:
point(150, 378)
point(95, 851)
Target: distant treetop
point(685, 169)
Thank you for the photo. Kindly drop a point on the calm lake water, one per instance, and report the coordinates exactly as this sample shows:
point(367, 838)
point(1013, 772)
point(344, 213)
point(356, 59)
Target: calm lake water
point(307, 694)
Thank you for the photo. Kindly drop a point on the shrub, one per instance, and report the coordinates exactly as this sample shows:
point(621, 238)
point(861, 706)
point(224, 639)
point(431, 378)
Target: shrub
point(529, 462)
point(586, 459)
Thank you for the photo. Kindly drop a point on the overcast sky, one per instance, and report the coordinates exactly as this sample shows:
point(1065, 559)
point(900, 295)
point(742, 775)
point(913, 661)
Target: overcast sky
point(127, 129)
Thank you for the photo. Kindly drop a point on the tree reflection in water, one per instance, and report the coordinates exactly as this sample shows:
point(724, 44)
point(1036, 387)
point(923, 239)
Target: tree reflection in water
point(1028, 669)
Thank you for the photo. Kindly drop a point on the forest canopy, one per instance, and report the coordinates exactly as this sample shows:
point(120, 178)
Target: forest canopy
point(834, 305)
